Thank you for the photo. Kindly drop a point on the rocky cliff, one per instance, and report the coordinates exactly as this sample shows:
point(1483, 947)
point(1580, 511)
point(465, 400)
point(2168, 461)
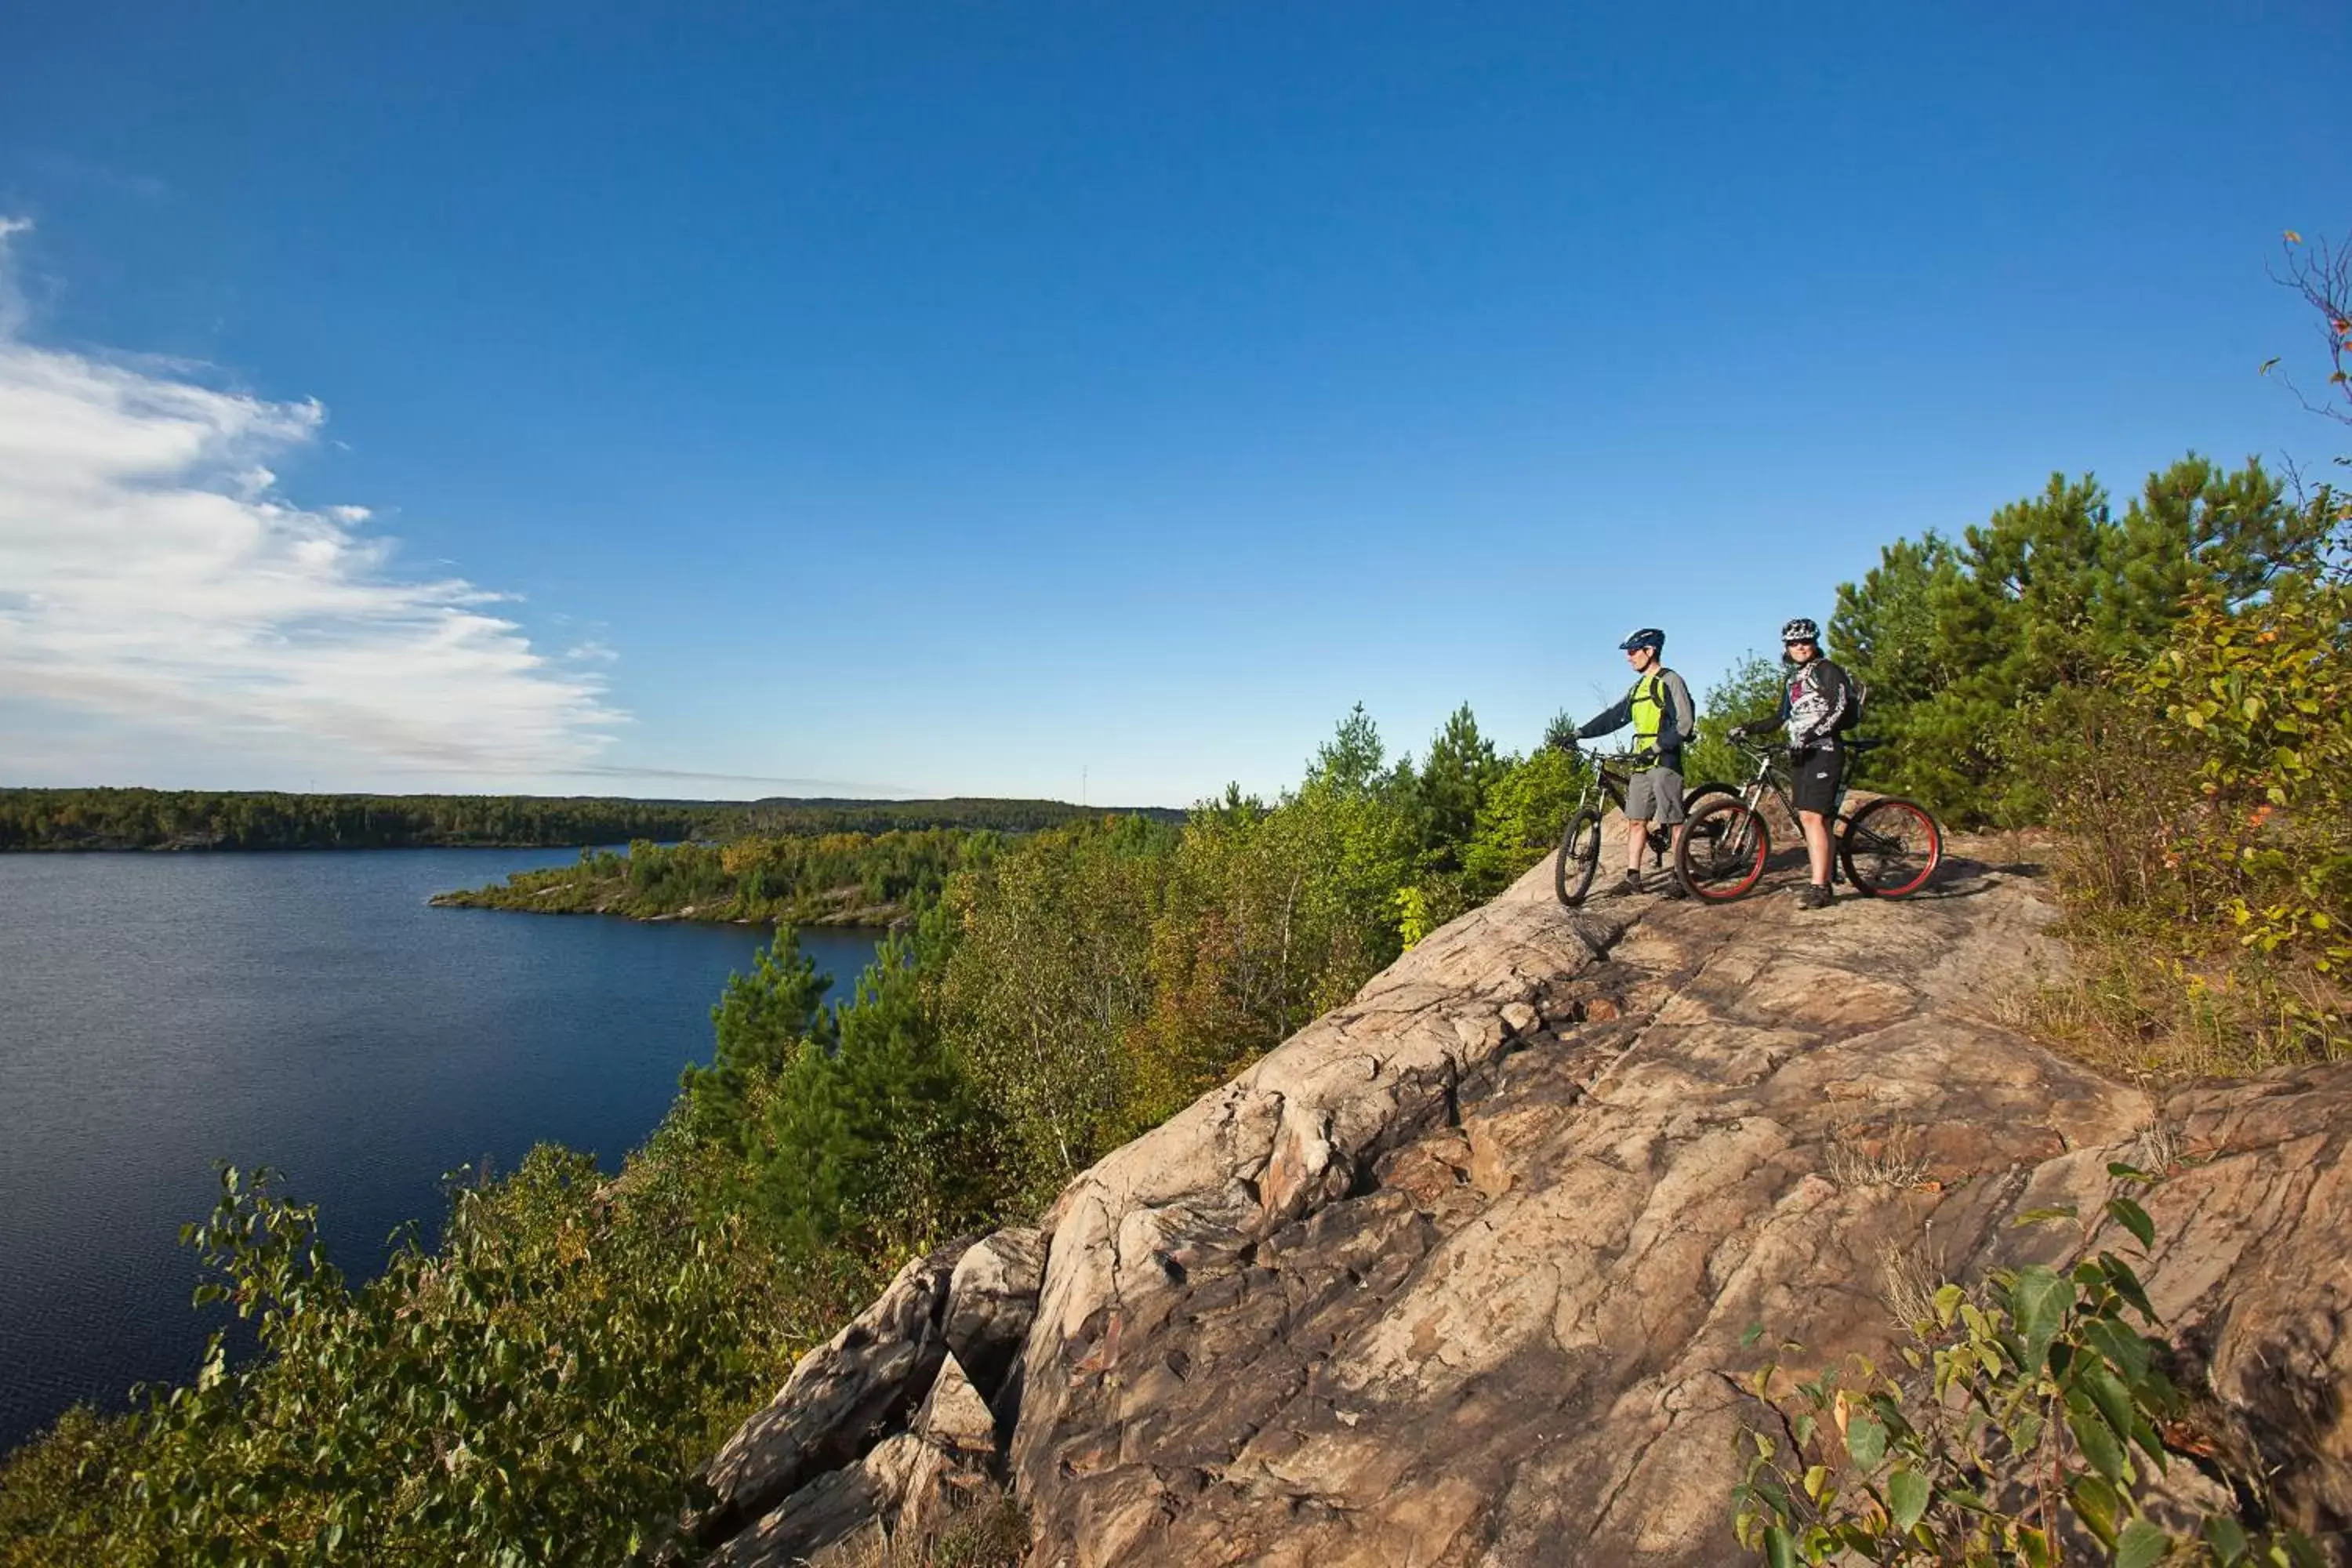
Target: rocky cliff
point(1455, 1275)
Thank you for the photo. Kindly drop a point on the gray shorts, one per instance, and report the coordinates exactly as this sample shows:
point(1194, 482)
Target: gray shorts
point(1655, 795)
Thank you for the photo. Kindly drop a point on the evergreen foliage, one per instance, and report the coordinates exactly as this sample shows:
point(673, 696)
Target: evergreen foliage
point(1461, 771)
point(759, 1026)
point(1953, 637)
point(876, 1147)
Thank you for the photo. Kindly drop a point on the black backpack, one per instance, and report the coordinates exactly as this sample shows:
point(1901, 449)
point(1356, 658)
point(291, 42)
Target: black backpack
point(1857, 698)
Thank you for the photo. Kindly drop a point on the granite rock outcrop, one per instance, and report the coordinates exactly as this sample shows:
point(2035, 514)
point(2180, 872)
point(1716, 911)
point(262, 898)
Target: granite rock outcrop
point(1457, 1273)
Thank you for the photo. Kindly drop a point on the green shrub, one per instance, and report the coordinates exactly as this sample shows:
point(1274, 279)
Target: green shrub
point(2043, 1417)
point(1750, 690)
point(534, 1391)
point(2205, 799)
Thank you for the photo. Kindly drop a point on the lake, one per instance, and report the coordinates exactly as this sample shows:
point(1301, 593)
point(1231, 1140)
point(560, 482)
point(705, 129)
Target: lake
point(308, 1011)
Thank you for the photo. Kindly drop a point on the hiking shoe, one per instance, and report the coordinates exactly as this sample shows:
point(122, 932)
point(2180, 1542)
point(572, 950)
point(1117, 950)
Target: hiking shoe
point(1675, 888)
point(1629, 884)
point(1813, 896)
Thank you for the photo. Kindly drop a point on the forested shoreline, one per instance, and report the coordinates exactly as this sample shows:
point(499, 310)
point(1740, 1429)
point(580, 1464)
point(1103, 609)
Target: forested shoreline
point(801, 880)
point(133, 818)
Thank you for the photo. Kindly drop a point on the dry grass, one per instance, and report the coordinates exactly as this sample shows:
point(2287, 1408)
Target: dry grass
point(1858, 1158)
point(1909, 1277)
point(993, 1532)
point(2161, 1148)
point(2138, 1008)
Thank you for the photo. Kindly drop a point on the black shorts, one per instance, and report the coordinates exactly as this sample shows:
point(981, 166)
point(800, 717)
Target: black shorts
point(1816, 780)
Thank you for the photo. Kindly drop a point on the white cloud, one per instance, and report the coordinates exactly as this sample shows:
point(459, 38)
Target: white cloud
point(157, 591)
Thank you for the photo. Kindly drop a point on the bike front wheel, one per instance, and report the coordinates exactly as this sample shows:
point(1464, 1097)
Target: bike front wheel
point(1891, 847)
point(1723, 851)
point(1580, 854)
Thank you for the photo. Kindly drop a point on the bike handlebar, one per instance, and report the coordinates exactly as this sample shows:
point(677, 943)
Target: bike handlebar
point(1627, 759)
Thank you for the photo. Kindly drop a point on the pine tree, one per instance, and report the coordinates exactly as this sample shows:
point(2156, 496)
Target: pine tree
point(762, 1021)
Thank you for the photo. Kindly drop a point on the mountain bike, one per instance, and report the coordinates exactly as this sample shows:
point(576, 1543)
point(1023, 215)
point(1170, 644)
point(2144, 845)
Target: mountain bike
point(1888, 848)
point(1579, 846)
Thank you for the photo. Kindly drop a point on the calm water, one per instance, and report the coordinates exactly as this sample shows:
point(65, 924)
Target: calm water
point(305, 1011)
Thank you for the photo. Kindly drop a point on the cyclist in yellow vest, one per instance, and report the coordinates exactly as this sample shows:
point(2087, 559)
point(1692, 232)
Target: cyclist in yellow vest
point(1659, 708)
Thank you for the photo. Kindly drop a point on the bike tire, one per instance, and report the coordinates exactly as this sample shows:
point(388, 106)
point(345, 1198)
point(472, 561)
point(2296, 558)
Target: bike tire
point(1694, 797)
point(1723, 851)
point(1891, 847)
point(1701, 792)
point(1580, 857)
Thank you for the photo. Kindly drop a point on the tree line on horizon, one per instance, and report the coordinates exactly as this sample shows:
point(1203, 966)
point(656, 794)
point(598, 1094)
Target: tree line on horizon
point(138, 818)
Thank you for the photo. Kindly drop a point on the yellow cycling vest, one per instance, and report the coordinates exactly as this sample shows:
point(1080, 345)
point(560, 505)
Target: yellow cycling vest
point(1648, 700)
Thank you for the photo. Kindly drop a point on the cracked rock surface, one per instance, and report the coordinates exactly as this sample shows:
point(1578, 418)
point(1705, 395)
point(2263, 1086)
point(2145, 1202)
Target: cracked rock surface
point(1454, 1275)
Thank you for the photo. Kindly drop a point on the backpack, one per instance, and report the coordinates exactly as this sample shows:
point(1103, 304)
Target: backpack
point(1857, 698)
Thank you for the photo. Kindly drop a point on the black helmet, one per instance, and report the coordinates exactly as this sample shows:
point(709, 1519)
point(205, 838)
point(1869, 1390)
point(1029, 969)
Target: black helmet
point(1650, 637)
point(1801, 630)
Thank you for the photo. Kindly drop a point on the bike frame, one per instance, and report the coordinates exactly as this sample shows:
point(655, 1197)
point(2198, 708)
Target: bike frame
point(1612, 775)
point(1771, 768)
point(1611, 779)
point(1851, 837)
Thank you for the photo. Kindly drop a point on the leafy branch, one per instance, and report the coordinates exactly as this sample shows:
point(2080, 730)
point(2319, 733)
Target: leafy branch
point(2044, 1415)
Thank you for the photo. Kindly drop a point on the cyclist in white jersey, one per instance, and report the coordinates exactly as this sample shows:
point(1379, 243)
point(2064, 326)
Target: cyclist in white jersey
point(1815, 700)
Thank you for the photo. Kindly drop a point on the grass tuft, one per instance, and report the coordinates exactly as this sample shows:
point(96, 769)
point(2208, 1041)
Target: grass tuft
point(993, 1532)
point(1858, 1158)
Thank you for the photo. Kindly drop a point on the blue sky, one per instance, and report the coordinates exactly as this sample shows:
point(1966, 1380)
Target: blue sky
point(950, 398)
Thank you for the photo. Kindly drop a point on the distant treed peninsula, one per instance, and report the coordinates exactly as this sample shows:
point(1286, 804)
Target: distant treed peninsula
point(240, 819)
point(802, 880)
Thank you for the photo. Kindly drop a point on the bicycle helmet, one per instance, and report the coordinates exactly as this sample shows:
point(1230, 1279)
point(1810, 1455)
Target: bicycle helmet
point(1650, 637)
point(1801, 630)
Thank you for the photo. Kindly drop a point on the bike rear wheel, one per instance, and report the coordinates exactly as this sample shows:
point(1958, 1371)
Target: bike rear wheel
point(1723, 851)
point(1700, 794)
point(1891, 847)
point(1580, 854)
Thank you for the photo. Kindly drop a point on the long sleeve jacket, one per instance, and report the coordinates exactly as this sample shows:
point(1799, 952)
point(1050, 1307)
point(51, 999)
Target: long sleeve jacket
point(1812, 700)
